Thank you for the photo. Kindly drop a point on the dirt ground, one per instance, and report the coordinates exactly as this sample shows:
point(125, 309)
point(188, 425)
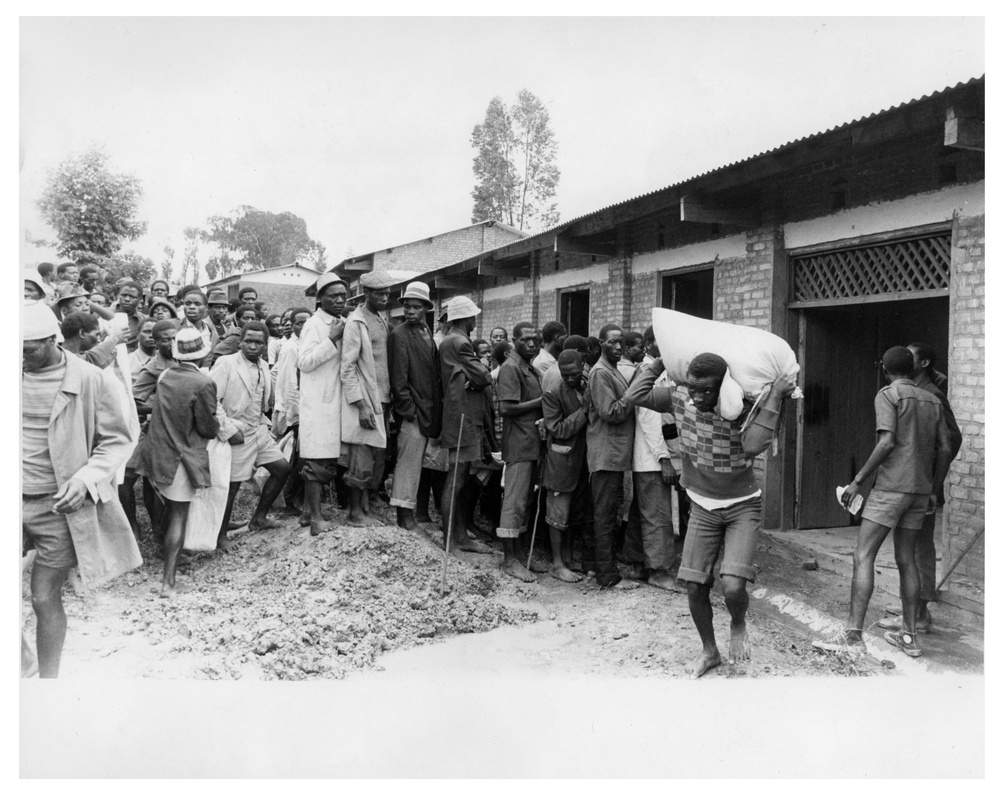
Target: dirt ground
point(285, 605)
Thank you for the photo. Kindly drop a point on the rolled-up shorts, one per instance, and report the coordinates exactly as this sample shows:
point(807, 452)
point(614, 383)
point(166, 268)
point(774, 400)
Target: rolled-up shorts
point(896, 509)
point(256, 451)
point(321, 470)
point(557, 508)
point(48, 531)
point(735, 527)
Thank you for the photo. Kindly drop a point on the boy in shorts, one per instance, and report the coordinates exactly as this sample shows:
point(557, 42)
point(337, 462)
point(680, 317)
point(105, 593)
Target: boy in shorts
point(717, 472)
point(909, 462)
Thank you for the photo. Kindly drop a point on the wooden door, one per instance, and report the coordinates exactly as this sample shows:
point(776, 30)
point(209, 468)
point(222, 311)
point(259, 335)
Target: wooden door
point(840, 375)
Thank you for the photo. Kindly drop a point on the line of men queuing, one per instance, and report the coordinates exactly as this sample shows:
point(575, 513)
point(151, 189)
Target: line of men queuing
point(473, 423)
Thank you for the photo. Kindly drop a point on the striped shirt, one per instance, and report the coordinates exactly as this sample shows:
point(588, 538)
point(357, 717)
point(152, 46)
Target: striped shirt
point(38, 395)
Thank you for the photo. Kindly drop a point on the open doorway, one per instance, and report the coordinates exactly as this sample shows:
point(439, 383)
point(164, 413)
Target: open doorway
point(574, 311)
point(840, 348)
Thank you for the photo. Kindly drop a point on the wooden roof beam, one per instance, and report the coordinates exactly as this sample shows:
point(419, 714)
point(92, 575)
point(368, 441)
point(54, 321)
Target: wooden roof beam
point(963, 132)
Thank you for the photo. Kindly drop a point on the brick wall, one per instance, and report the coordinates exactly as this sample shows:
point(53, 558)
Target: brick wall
point(965, 493)
point(743, 285)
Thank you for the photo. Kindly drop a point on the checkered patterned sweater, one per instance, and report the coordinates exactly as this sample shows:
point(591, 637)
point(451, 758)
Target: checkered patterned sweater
point(713, 463)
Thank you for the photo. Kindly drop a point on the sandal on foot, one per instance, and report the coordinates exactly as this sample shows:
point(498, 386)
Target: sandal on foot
point(904, 641)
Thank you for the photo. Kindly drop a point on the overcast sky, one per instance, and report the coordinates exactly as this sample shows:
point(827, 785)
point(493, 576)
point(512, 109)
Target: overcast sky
point(362, 126)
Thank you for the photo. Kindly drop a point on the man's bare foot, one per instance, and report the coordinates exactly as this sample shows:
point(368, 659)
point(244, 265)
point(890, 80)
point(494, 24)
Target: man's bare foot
point(326, 513)
point(706, 661)
point(235, 525)
point(467, 545)
point(360, 520)
point(317, 527)
point(564, 574)
point(662, 580)
point(739, 643)
point(178, 588)
point(262, 523)
point(305, 519)
point(224, 544)
point(514, 568)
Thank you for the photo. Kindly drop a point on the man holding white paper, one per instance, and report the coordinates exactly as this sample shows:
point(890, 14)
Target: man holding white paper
point(909, 462)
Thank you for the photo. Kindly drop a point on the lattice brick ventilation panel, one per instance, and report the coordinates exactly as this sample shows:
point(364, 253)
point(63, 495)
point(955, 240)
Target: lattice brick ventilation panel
point(912, 265)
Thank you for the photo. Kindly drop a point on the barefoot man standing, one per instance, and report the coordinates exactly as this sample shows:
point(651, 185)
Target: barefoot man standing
point(717, 472)
point(74, 437)
point(243, 387)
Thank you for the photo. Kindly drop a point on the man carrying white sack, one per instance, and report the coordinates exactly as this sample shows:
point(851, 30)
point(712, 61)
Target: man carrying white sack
point(717, 472)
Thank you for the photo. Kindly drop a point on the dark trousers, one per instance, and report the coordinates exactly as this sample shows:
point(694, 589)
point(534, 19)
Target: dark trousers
point(927, 560)
point(606, 490)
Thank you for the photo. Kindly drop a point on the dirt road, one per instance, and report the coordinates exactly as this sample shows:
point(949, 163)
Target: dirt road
point(285, 605)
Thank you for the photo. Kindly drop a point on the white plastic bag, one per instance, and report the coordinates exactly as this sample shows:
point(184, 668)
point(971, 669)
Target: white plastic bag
point(209, 505)
point(756, 357)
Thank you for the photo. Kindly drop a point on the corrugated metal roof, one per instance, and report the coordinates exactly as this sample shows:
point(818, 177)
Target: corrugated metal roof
point(793, 143)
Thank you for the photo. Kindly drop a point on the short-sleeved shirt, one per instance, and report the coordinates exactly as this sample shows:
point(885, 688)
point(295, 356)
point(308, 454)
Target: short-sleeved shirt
point(518, 382)
point(914, 417)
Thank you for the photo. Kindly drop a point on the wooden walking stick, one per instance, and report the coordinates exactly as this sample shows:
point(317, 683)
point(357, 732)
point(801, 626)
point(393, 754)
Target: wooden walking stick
point(534, 529)
point(451, 512)
point(961, 555)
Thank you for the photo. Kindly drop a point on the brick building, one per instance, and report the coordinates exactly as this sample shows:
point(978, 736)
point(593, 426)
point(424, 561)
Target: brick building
point(844, 243)
point(281, 287)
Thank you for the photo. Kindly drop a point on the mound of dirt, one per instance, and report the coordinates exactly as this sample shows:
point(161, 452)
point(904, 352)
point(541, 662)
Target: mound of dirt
point(287, 605)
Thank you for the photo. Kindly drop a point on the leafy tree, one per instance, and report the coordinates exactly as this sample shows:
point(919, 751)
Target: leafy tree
point(514, 166)
point(494, 194)
point(191, 236)
point(253, 239)
point(167, 265)
point(126, 265)
point(92, 209)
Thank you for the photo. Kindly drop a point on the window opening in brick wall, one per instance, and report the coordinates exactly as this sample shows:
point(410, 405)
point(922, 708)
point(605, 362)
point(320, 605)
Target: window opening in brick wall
point(908, 265)
point(690, 293)
point(574, 311)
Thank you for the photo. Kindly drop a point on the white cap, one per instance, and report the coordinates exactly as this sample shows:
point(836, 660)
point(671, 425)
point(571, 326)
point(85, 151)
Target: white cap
point(38, 322)
point(461, 307)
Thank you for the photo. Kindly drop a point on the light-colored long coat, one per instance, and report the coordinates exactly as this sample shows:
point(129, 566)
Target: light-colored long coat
point(320, 389)
point(89, 439)
point(357, 375)
point(233, 384)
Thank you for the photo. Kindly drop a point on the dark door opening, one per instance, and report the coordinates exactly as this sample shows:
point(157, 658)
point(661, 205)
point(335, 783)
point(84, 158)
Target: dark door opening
point(840, 352)
point(574, 311)
point(690, 293)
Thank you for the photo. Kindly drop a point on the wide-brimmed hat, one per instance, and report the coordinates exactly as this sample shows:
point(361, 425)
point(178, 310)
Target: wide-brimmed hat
point(418, 290)
point(190, 345)
point(31, 274)
point(162, 301)
point(377, 280)
point(217, 297)
point(461, 307)
point(326, 279)
point(67, 290)
point(38, 321)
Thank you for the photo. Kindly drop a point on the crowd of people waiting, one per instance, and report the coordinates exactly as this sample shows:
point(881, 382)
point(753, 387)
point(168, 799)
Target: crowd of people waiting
point(582, 437)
